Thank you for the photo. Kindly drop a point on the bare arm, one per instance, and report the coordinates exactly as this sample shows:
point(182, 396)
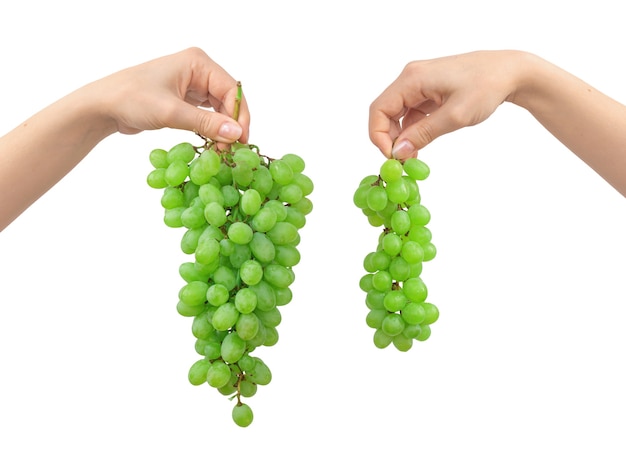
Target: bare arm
point(434, 97)
point(165, 92)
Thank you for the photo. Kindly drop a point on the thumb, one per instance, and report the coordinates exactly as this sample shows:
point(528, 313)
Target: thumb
point(213, 125)
point(421, 133)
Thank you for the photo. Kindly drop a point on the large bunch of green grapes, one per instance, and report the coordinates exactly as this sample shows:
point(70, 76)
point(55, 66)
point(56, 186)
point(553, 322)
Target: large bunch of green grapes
point(241, 212)
point(396, 295)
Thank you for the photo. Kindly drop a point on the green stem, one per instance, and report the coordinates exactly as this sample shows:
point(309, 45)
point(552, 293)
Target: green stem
point(237, 101)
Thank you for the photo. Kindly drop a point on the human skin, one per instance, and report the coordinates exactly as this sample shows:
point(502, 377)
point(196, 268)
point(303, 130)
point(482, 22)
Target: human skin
point(433, 97)
point(172, 91)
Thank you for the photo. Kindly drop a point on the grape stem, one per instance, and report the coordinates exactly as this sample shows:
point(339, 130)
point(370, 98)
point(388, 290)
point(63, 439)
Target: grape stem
point(237, 101)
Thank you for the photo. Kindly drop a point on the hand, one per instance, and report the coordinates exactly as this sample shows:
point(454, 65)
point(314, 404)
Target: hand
point(434, 97)
point(174, 91)
point(170, 92)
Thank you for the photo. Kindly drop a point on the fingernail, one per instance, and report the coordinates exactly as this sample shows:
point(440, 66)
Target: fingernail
point(230, 131)
point(403, 149)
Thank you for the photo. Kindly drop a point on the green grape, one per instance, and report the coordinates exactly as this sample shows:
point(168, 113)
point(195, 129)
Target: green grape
point(193, 293)
point(394, 300)
point(240, 232)
point(393, 324)
point(214, 214)
point(360, 196)
point(231, 195)
point(304, 183)
point(198, 372)
point(287, 255)
point(241, 214)
point(158, 158)
point(211, 161)
point(296, 218)
point(251, 272)
point(382, 281)
point(242, 415)
point(412, 252)
point(283, 295)
point(245, 155)
point(251, 202)
point(193, 217)
point(304, 206)
point(392, 244)
point(210, 193)
point(413, 313)
point(381, 339)
point(247, 389)
point(416, 169)
point(242, 174)
point(265, 296)
point(400, 222)
point(391, 170)
point(431, 313)
point(176, 172)
point(290, 193)
point(189, 241)
point(365, 283)
point(281, 171)
point(430, 251)
point(397, 192)
point(262, 247)
point(374, 318)
point(189, 311)
point(271, 336)
point(264, 220)
point(279, 209)
point(183, 152)
point(377, 198)
point(399, 269)
point(247, 325)
point(269, 318)
point(233, 347)
point(277, 275)
point(395, 293)
point(282, 233)
point(415, 290)
point(294, 161)
point(218, 374)
point(239, 255)
point(262, 180)
point(156, 179)
point(419, 215)
point(201, 328)
point(207, 250)
point(375, 300)
point(261, 375)
point(402, 342)
point(245, 300)
point(172, 198)
point(217, 294)
point(225, 316)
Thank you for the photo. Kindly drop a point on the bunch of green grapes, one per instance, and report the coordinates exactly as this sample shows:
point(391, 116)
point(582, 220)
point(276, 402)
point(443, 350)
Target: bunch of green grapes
point(242, 213)
point(396, 295)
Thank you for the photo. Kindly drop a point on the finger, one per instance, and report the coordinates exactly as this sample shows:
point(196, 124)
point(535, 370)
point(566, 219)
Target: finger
point(415, 136)
point(210, 124)
point(383, 126)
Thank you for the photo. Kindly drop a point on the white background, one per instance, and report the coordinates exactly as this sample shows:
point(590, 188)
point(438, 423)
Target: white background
point(526, 361)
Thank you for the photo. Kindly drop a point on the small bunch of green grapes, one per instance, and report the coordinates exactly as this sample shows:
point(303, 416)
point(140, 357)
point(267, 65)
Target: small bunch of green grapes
point(242, 213)
point(396, 295)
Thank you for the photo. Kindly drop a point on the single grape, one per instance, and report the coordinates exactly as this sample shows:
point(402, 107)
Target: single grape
point(242, 415)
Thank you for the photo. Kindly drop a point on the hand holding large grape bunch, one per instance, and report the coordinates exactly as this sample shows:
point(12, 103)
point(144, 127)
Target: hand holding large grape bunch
point(241, 211)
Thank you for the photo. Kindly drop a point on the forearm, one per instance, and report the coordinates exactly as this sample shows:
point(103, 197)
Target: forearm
point(43, 149)
point(588, 122)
